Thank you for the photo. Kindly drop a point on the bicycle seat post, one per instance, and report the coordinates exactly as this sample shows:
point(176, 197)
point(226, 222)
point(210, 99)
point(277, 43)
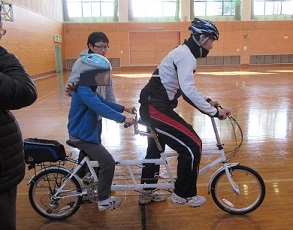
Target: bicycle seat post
point(151, 133)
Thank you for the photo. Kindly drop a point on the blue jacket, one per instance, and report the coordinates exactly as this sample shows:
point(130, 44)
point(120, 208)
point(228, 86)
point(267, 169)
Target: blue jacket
point(82, 117)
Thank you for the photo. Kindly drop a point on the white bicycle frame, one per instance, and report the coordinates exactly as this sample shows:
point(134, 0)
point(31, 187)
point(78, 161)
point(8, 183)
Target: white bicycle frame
point(135, 186)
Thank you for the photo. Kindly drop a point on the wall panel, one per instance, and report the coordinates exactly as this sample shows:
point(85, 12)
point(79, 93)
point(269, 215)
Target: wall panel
point(236, 39)
point(156, 46)
point(30, 37)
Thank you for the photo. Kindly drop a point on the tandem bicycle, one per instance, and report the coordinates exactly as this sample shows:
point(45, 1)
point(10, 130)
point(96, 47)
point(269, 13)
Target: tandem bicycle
point(56, 191)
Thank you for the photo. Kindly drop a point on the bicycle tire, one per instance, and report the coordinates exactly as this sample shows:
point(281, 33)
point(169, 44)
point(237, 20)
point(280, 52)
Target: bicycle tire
point(252, 190)
point(41, 191)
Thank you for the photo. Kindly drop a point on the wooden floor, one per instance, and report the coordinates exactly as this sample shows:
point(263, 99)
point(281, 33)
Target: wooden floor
point(261, 100)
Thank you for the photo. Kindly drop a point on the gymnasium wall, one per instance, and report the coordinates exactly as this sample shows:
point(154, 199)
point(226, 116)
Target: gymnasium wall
point(31, 38)
point(243, 39)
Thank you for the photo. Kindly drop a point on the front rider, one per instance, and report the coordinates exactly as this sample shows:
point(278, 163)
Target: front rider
point(172, 78)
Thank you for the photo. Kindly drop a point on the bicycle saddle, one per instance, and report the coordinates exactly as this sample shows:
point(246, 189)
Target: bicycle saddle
point(68, 142)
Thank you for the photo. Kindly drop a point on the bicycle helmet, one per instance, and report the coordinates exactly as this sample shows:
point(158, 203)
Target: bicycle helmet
point(205, 27)
point(97, 60)
point(98, 72)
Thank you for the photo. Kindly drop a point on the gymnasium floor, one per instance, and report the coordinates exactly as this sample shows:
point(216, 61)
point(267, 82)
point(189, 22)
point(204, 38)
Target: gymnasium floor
point(262, 102)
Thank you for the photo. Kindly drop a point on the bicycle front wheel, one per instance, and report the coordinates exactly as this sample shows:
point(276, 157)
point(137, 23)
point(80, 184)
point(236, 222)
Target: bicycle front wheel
point(252, 190)
point(42, 193)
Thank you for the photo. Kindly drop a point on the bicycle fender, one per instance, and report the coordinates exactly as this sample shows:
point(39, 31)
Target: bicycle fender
point(47, 168)
point(216, 173)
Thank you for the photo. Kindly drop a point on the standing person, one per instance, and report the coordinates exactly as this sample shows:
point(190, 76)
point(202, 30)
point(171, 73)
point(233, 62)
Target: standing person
point(97, 43)
point(17, 90)
point(175, 77)
point(83, 125)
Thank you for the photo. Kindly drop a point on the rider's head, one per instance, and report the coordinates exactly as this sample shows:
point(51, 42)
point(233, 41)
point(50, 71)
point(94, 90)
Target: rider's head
point(98, 73)
point(98, 43)
point(203, 27)
point(204, 32)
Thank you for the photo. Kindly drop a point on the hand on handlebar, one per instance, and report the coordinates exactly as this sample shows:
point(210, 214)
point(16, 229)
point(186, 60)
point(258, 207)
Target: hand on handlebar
point(214, 103)
point(224, 113)
point(128, 122)
point(131, 110)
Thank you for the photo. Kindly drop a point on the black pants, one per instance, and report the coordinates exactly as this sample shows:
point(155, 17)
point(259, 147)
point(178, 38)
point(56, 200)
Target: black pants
point(8, 209)
point(178, 135)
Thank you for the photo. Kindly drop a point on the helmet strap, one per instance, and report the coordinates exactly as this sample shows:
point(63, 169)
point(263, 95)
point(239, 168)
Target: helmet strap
point(197, 42)
point(204, 41)
point(200, 52)
point(200, 44)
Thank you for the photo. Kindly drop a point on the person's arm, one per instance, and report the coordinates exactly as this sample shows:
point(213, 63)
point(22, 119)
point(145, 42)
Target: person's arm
point(17, 89)
point(110, 92)
point(75, 73)
point(186, 65)
point(100, 105)
point(73, 78)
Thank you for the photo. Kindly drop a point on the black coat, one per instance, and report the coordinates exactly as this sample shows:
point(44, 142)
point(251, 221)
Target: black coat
point(17, 90)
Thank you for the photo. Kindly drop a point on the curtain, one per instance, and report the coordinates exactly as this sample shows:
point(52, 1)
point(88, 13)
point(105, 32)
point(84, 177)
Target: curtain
point(177, 10)
point(237, 9)
point(65, 11)
point(116, 7)
point(130, 11)
point(252, 16)
point(191, 9)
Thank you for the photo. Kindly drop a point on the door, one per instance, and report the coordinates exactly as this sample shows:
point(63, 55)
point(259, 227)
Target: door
point(58, 59)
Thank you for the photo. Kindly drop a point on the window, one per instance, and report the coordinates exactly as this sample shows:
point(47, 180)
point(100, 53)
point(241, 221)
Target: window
point(214, 7)
point(273, 7)
point(93, 10)
point(154, 10)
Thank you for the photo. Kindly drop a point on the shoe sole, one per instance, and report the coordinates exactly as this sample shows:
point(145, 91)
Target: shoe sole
point(150, 200)
point(144, 202)
point(175, 202)
point(197, 205)
point(109, 208)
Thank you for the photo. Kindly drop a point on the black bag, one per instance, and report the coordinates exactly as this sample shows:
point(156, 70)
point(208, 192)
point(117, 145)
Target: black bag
point(42, 150)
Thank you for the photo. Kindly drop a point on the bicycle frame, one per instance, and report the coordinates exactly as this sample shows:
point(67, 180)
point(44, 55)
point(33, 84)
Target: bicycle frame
point(56, 192)
point(161, 161)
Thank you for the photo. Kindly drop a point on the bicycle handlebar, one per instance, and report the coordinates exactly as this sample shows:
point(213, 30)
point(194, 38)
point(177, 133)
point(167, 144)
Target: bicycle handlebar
point(128, 124)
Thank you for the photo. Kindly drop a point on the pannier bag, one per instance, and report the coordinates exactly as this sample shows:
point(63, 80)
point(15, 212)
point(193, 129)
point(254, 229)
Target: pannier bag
point(42, 150)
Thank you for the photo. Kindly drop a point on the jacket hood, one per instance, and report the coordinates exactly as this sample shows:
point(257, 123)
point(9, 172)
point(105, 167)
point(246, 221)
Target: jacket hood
point(83, 53)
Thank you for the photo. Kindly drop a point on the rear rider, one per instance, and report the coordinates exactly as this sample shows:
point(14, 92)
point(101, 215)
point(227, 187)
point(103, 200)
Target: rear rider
point(84, 127)
point(174, 77)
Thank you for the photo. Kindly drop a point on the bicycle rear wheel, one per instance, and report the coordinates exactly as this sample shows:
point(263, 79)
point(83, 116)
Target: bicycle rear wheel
point(252, 190)
point(43, 188)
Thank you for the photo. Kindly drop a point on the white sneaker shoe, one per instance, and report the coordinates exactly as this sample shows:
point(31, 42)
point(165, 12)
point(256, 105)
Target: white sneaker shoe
point(194, 201)
point(149, 195)
point(177, 199)
point(110, 203)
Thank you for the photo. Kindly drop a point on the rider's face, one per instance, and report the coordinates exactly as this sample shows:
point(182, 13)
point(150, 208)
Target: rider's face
point(99, 48)
point(208, 45)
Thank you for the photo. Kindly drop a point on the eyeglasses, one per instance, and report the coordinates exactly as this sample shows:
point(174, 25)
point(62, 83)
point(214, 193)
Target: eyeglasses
point(102, 47)
point(2, 32)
